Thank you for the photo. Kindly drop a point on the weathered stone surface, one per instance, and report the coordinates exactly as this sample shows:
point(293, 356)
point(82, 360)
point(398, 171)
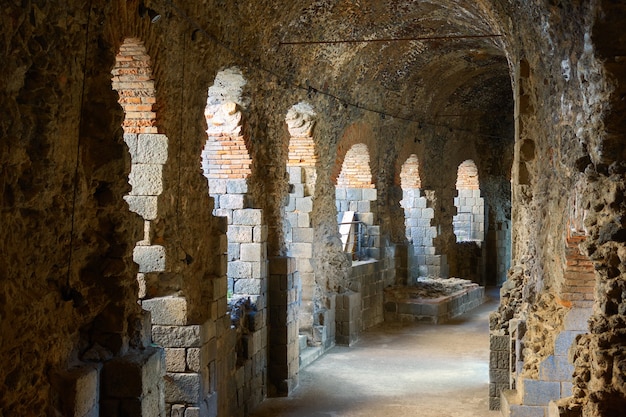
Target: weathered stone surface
point(167, 310)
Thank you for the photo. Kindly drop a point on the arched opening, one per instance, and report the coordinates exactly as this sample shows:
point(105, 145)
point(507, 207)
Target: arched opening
point(469, 221)
point(355, 199)
point(418, 219)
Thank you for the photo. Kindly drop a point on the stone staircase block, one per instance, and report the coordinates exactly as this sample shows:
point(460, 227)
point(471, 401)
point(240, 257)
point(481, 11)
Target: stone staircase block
point(539, 393)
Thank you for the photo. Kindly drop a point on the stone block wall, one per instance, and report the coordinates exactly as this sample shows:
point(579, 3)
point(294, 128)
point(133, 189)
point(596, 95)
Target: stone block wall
point(420, 233)
point(362, 202)
point(299, 238)
point(498, 249)
point(283, 327)
point(469, 222)
point(361, 307)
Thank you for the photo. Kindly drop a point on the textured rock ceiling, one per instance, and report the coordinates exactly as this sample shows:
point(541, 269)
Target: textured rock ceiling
point(462, 71)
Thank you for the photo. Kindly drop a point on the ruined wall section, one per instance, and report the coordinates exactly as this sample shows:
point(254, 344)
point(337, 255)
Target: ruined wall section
point(563, 92)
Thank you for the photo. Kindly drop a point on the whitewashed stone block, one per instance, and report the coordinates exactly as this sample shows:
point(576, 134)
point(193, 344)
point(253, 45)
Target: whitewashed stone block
point(232, 201)
point(239, 234)
point(146, 179)
point(145, 206)
point(149, 258)
point(304, 204)
point(252, 252)
point(131, 142)
point(247, 217)
point(151, 149)
point(239, 186)
point(369, 194)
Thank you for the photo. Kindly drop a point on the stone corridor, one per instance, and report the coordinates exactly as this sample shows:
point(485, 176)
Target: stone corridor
point(399, 370)
point(196, 196)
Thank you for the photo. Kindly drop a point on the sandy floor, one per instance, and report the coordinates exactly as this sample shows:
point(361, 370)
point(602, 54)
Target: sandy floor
point(399, 370)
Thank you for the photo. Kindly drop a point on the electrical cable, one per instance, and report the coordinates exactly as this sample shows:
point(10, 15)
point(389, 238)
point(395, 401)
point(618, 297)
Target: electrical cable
point(310, 90)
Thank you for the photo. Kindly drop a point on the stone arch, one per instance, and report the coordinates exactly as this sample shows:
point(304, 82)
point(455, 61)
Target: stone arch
point(356, 133)
point(469, 221)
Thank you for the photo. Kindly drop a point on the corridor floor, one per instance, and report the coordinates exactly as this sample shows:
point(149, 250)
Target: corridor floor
point(399, 370)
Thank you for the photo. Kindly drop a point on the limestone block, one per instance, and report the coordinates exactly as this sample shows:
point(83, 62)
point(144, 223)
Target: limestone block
point(259, 269)
point(354, 194)
point(80, 388)
point(239, 234)
point(297, 191)
point(301, 250)
point(302, 235)
point(304, 220)
point(217, 186)
point(145, 206)
point(252, 252)
point(295, 175)
point(248, 217)
point(340, 194)
point(182, 388)
point(291, 203)
point(556, 368)
point(175, 360)
point(149, 258)
point(363, 206)
point(353, 206)
point(192, 412)
point(178, 410)
point(226, 213)
point(131, 142)
point(249, 286)
point(232, 201)
point(176, 336)
point(239, 186)
point(146, 179)
point(369, 194)
point(421, 202)
point(304, 204)
point(167, 310)
point(259, 234)
point(540, 392)
point(151, 149)
point(233, 251)
point(238, 269)
point(193, 359)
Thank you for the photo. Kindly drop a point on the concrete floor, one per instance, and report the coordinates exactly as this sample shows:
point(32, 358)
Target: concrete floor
point(399, 370)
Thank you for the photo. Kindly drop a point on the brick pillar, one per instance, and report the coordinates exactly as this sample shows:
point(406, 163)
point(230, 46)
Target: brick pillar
point(284, 352)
